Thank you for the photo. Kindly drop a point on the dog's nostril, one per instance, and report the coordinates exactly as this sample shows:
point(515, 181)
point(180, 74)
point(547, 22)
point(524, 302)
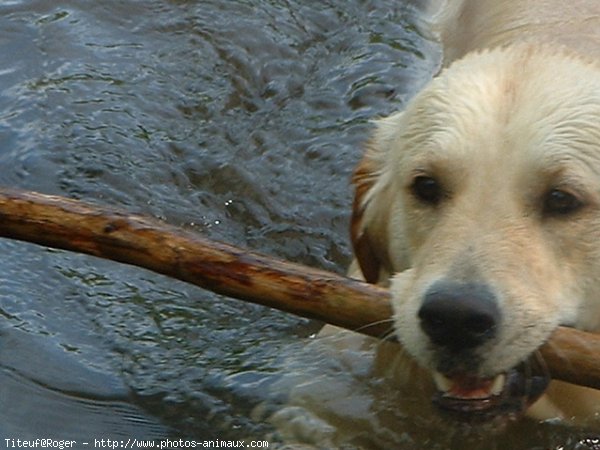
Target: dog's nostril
point(459, 316)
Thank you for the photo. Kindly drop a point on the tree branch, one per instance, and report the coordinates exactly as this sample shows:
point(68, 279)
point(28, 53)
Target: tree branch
point(52, 221)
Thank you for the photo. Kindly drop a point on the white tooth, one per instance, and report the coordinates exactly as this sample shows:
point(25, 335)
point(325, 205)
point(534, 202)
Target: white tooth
point(498, 384)
point(442, 383)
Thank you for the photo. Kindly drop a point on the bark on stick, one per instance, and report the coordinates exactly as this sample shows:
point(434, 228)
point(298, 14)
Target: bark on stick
point(57, 222)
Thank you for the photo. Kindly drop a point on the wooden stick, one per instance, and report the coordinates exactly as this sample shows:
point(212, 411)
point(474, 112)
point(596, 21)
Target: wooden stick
point(52, 221)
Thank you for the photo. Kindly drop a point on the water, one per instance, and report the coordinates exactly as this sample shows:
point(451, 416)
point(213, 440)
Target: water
point(241, 120)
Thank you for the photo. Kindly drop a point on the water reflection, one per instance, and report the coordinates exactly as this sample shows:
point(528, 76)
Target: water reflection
point(239, 119)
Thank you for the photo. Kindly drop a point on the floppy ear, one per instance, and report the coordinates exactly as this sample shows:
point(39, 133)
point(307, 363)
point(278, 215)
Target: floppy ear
point(365, 253)
point(370, 211)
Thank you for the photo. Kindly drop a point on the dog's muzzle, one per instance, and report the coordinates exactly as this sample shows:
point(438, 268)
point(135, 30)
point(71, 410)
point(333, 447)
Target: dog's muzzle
point(458, 319)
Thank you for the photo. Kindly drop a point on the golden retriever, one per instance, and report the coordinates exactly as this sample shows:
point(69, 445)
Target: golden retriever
point(479, 205)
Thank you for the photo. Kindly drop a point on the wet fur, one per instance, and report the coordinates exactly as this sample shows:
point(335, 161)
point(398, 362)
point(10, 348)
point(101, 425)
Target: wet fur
point(514, 113)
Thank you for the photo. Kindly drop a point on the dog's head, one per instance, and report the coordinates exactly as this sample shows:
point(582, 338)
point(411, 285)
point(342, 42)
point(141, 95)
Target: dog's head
point(481, 203)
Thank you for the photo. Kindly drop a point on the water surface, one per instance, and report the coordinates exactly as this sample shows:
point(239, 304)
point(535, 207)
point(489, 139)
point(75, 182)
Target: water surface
point(241, 120)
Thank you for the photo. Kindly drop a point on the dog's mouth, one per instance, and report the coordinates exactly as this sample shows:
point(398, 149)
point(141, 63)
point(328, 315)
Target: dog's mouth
point(474, 399)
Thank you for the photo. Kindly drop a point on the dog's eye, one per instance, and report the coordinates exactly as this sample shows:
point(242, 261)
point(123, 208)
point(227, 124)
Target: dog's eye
point(560, 203)
point(427, 189)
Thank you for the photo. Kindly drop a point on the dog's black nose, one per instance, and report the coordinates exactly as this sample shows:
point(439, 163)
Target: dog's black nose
point(459, 316)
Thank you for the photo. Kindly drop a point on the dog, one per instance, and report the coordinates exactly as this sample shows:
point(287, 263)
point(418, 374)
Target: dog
point(479, 206)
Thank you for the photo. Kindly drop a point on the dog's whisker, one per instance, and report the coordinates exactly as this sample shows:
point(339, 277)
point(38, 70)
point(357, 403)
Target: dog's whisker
point(385, 334)
point(388, 335)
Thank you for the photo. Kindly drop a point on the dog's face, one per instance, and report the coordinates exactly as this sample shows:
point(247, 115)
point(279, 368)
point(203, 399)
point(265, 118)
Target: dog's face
point(481, 201)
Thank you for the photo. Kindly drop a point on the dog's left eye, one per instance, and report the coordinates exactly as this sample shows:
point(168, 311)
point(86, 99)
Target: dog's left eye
point(561, 203)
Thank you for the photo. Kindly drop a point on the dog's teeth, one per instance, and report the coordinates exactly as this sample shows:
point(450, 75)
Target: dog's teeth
point(442, 383)
point(498, 385)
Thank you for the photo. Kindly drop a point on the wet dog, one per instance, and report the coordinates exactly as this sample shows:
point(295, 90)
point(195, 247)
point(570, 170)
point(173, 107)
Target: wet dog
point(479, 205)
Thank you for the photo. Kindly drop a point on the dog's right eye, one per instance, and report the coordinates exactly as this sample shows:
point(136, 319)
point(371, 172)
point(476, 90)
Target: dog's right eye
point(427, 190)
point(561, 203)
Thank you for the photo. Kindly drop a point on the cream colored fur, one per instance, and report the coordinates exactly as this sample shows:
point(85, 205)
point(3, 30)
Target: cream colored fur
point(514, 113)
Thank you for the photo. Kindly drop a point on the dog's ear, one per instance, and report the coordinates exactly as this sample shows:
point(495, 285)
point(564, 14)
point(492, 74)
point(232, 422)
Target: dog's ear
point(365, 252)
point(370, 211)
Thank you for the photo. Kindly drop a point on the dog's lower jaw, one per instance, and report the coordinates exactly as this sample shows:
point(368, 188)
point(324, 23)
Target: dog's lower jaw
point(475, 399)
point(469, 390)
